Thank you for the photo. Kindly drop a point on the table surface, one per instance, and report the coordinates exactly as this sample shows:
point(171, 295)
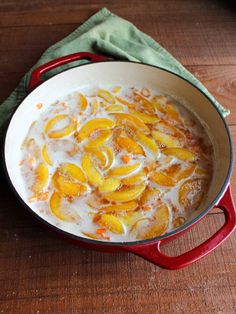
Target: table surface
point(40, 273)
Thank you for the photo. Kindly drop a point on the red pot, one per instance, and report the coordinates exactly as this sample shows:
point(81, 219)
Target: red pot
point(129, 73)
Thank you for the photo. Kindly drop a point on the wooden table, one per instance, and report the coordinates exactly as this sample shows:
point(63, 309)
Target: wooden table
point(39, 273)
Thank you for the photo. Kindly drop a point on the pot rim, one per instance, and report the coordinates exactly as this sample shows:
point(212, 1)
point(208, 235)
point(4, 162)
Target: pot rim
point(175, 232)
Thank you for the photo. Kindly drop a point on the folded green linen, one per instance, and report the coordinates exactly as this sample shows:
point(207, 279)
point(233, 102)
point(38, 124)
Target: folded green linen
point(106, 34)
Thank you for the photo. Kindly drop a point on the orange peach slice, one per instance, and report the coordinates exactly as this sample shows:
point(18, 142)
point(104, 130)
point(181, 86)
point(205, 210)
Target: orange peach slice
point(111, 223)
point(129, 217)
point(146, 118)
point(94, 125)
point(94, 176)
point(114, 108)
point(162, 179)
point(67, 187)
point(165, 139)
point(95, 106)
point(124, 102)
point(99, 154)
point(180, 153)
point(185, 173)
point(83, 102)
point(60, 211)
point(137, 123)
point(179, 221)
point(159, 226)
point(150, 196)
point(191, 193)
point(172, 112)
point(136, 179)
point(116, 89)
point(41, 176)
point(110, 156)
point(124, 170)
point(129, 206)
point(73, 171)
point(102, 137)
point(107, 96)
point(159, 103)
point(125, 194)
point(45, 155)
point(71, 127)
point(109, 185)
point(147, 142)
point(129, 145)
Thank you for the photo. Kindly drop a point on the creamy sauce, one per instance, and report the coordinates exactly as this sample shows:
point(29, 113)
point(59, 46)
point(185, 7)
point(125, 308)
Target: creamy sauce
point(166, 199)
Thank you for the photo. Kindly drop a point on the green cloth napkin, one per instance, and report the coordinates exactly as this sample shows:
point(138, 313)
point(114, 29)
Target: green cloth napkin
point(107, 34)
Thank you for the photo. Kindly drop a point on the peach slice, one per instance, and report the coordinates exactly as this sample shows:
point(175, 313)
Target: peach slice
point(45, 155)
point(94, 125)
point(110, 156)
point(129, 145)
point(159, 103)
point(95, 106)
point(180, 153)
point(185, 173)
point(125, 194)
point(162, 179)
point(94, 176)
point(114, 108)
point(71, 127)
point(191, 193)
point(159, 226)
point(172, 112)
point(116, 89)
point(129, 217)
point(109, 185)
point(124, 170)
point(91, 235)
point(102, 137)
point(41, 176)
point(179, 221)
point(167, 128)
point(150, 196)
point(136, 179)
point(201, 171)
point(74, 171)
point(129, 206)
point(145, 102)
point(107, 96)
point(83, 102)
point(111, 223)
point(67, 187)
point(137, 123)
point(124, 102)
point(165, 139)
point(146, 118)
point(99, 154)
point(147, 142)
point(59, 210)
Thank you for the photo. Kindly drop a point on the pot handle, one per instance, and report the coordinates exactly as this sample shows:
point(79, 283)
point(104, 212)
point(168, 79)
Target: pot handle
point(152, 252)
point(35, 79)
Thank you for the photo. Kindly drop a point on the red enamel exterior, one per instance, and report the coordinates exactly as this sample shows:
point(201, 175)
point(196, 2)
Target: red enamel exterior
point(150, 251)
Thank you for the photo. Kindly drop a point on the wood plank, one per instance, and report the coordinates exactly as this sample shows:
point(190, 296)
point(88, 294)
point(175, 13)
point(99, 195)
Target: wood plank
point(221, 83)
point(14, 13)
point(192, 41)
point(39, 272)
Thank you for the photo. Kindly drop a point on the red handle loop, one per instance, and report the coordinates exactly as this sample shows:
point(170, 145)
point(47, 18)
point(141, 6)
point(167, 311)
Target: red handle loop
point(35, 79)
point(152, 252)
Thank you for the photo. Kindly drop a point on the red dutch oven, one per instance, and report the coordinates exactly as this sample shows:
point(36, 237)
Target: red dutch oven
point(103, 71)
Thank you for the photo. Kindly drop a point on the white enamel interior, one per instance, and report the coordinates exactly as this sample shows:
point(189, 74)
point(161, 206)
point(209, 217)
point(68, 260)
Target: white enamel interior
point(119, 73)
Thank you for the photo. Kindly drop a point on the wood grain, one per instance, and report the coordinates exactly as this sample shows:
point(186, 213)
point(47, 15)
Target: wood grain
point(39, 273)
